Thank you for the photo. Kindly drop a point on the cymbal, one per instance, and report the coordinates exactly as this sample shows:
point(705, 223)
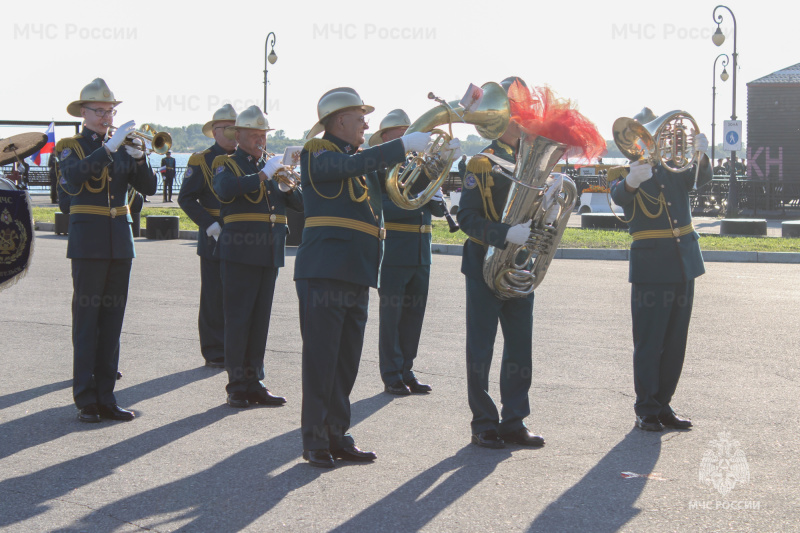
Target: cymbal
point(24, 144)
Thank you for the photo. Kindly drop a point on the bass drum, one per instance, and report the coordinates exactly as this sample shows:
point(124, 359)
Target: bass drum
point(7, 185)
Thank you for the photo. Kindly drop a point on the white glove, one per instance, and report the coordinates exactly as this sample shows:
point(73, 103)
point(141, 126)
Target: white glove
point(138, 152)
point(272, 166)
point(119, 136)
point(455, 146)
point(552, 209)
point(416, 142)
point(214, 230)
point(641, 171)
point(519, 234)
point(438, 196)
point(701, 142)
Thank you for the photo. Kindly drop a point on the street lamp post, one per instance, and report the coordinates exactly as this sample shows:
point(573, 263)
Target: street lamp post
point(718, 38)
point(271, 59)
point(724, 77)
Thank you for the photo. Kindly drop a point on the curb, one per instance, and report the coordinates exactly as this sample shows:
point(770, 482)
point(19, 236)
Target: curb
point(602, 254)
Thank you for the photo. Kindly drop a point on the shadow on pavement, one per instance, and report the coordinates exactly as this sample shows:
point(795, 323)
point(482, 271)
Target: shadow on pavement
point(48, 425)
point(225, 497)
point(59, 480)
point(603, 500)
point(468, 467)
point(26, 395)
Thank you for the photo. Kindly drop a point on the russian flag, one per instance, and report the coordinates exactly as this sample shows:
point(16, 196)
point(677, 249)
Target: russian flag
point(47, 148)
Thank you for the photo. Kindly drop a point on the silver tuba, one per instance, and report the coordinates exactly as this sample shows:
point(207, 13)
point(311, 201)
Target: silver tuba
point(546, 201)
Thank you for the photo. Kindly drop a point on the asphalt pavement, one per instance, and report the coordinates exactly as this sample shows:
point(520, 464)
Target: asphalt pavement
point(188, 462)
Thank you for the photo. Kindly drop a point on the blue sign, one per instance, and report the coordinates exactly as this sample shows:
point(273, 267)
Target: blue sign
point(732, 136)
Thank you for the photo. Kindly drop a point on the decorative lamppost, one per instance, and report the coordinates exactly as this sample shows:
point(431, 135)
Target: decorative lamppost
point(271, 59)
point(723, 77)
point(718, 38)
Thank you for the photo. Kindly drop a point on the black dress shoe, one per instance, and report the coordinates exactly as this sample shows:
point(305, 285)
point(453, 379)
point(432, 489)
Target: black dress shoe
point(89, 414)
point(218, 362)
point(488, 439)
point(524, 437)
point(318, 458)
point(398, 388)
point(671, 421)
point(264, 397)
point(238, 400)
point(416, 387)
point(353, 453)
point(649, 423)
point(119, 375)
point(115, 412)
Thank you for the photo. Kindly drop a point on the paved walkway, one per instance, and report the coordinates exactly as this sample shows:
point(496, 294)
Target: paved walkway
point(190, 463)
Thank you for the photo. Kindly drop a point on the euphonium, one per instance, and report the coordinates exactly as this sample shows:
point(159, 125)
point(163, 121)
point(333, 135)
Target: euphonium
point(664, 140)
point(547, 202)
point(490, 119)
point(160, 141)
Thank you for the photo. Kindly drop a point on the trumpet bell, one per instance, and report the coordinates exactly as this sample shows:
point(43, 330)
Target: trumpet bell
point(160, 142)
point(288, 177)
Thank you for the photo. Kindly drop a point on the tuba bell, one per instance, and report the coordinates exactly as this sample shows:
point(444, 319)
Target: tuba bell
point(490, 119)
point(537, 196)
point(665, 140)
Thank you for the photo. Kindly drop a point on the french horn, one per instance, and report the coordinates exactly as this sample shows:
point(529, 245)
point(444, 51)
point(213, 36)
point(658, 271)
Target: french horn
point(665, 140)
point(490, 119)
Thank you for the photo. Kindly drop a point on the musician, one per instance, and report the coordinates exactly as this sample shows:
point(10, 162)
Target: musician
point(665, 259)
point(168, 166)
point(405, 273)
point(722, 167)
point(483, 197)
point(199, 201)
point(95, 173)
point(251, 250)
point(337, 262)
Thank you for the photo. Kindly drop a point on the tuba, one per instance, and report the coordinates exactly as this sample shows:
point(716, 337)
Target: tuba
point(546, 201)
point(664, 140)
point(491, 119)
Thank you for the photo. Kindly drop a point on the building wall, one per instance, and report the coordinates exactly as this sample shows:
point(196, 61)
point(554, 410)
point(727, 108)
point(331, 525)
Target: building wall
point(773, 131)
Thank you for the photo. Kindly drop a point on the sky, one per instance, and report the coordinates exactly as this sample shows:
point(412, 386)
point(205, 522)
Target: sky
point(174, 63)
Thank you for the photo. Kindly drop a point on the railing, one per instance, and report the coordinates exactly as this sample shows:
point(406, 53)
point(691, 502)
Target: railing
point(39, 178)
point(768, 196)
point(775, 197)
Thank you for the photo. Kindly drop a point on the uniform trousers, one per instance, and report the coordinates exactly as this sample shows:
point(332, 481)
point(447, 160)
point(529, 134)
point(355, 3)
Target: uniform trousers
point(211, 320)
point(247, 292)
point(660, 318)
point(100, 294)
point(333, 315)
point(515, 316)
point(403, 298)
point(168, 188)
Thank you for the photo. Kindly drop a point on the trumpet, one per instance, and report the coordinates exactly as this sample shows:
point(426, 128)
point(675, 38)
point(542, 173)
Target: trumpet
point(285, 175)
point(160, 141)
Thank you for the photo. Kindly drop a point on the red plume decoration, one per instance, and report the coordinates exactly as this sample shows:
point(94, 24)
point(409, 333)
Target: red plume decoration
point(540, 112)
